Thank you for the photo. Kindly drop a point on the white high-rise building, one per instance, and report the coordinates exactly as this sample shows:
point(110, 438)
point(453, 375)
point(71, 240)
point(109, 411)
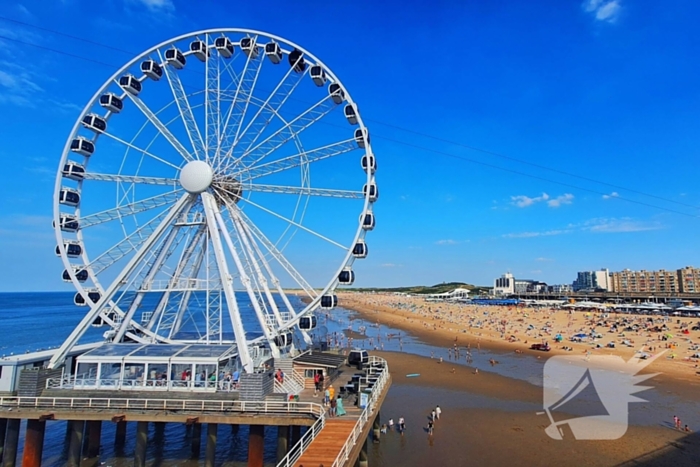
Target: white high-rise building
point(504, 285)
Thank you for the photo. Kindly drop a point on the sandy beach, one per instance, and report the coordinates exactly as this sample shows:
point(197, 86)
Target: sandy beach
point(444, 324)
point(491, 419)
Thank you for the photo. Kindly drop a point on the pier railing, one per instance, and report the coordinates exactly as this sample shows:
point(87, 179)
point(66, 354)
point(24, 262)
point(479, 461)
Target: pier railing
point(382, 379)
point(298, 449)
point(193, 405)
point(70, 382)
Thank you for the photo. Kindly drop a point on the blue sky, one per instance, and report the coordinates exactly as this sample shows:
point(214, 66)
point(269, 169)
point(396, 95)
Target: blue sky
point(595, 105)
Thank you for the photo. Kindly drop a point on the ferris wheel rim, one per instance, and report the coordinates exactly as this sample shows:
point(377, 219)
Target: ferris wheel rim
point(359, 234)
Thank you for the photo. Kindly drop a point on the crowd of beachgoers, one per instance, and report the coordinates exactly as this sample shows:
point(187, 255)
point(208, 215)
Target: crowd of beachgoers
point(565, 330)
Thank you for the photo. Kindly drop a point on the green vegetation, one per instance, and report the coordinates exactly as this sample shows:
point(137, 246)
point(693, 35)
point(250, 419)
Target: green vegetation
point(474, 290)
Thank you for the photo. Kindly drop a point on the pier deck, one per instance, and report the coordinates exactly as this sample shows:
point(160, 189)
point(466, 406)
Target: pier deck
point(330, 441)
point(339, 441)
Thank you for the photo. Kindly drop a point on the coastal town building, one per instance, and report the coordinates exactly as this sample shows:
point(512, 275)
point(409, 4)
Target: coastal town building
point(560, 288)
point(689, 279)
point(509, 285)
point(684, 280)
point(592, 280)
point(662, 281)
point(504, 285)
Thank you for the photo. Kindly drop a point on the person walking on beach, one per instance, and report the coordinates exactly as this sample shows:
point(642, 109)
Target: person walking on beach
point(391, 424)
point(437, 411)
point(432, 415)
point(402, 425)
point(430, 427)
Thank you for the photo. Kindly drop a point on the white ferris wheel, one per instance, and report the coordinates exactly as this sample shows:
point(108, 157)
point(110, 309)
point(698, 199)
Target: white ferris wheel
point(204, 179)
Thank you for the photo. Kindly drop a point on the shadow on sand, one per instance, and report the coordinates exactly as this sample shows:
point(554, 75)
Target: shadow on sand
point(683, 452)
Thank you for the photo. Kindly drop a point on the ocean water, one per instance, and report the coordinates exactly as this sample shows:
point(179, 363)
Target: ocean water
point(39, 321)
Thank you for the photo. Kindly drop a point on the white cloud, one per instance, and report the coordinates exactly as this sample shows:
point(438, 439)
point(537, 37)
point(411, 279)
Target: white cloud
point(614, 194)
point(622, 225)
point(566, 198)
point(597, 225)
point(157, 5)
point(603, 10)
point(448, 241)
point(523, 201)
point(23, 9)
point(543, 260)
point(546, 233)
point(390, 265)
point(17, 86)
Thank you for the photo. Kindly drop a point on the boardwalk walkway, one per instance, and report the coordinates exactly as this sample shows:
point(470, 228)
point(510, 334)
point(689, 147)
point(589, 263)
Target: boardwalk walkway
point(325, 447)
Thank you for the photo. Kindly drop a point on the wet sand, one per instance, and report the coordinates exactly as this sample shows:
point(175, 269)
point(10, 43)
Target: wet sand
point(491, 420)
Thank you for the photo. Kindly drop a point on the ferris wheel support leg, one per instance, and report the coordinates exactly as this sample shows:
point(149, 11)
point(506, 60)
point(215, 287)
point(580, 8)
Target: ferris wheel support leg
point(227, 282)
point(247, 284)
point(85, 323)
point(251, 253)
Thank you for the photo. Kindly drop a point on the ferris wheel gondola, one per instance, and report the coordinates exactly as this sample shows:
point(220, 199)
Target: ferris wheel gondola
point(199, 209)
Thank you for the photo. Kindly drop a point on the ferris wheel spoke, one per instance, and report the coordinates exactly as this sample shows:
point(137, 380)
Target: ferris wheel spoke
point(288, 131)
point(227, 94)
point(97, 308)
point(254, 231)
point(226, 135)
point(296, 160)
point(135, 179)
point(295, 224)
point(163, 129)
point(249, 91)
point(300, 190)
point(142, 151)
point(183, 105)
point(272, 105)
point(130, 209)
point(212, 101)
point(243, 276)
point(125, 246)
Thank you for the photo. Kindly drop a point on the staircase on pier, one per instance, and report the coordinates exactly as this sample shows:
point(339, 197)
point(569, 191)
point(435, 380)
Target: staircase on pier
point(293, 382)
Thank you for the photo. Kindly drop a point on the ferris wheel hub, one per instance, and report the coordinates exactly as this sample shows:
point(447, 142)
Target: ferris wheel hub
point(196, 176)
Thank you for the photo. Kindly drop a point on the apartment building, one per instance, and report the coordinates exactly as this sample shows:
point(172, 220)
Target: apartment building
point(689, 279)
point(661, 281)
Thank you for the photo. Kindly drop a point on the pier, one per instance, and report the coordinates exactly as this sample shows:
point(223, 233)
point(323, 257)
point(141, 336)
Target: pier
point(330, 441)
